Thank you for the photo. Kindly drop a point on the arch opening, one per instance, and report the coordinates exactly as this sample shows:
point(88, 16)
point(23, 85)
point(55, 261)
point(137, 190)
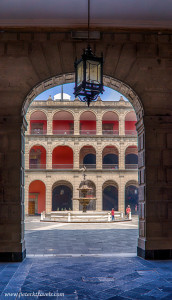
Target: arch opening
point(37, 157)
point(110, 196)
point(110, 157)
point(88, 157)
point(62, 197)
point(63, 123)
point(36, 203)
point(87, 123)
point(131, 197)
point(110, 123)
point(62, 158)
point(38, 123)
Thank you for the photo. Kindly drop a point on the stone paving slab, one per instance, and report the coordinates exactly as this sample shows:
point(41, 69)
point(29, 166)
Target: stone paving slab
point(86, 278)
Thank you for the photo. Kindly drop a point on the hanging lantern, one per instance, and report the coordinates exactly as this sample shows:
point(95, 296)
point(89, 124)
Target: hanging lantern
point(88, 76)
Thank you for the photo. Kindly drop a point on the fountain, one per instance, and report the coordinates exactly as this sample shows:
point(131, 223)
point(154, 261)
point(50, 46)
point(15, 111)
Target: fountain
point(84, 200)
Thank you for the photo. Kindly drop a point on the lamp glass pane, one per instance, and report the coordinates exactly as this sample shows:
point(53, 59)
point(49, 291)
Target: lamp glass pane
point(93, 72)
point(80, 73)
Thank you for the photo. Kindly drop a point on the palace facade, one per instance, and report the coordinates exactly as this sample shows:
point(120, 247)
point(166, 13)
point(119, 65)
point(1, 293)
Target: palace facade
point(62, 137)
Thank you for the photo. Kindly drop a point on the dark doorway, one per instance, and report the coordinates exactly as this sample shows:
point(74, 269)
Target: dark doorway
point(110, 198)
point(62, 198)
point(131, 198)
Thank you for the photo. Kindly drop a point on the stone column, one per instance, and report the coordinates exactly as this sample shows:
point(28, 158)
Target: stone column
point(121, 156)
point(99, 194)
point(49, 123)
point(76, 124)
point(12, 245)
point(121, 194)
point(155, 189)
point(99, 157)
point(26, 200)
point(76, 158)
point(48, 198)
point(27, 156)
point(121, 124)
point(99, 125)
point(49, 158)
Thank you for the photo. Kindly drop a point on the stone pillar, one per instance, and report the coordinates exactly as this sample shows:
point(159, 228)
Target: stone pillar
point(48, 198)
point(121, 158)
point(26, 196)
point(99, 157)
point(76, 124)
point(12, 245)
point(76, 158)
point(49, 123)
point(99, 125)
point(49, 158)
point(99, 194)
point(121, 124)
point(27, 156)
point(155, 189)
point(121, 194)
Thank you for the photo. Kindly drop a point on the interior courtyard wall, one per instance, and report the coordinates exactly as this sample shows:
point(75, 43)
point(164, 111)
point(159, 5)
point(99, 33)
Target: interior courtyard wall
point(28, 59)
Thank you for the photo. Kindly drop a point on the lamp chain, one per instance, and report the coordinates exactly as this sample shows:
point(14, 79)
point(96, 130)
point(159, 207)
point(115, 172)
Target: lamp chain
point(88, 22)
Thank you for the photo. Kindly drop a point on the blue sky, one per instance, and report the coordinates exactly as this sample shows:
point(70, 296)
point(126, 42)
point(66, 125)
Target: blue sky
point(108, 95)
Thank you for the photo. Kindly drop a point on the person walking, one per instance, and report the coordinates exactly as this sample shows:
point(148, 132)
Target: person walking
point(128, 210)
point(113, 214)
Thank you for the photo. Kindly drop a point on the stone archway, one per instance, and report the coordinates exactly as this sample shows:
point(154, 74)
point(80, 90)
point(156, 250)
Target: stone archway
point(134, 99)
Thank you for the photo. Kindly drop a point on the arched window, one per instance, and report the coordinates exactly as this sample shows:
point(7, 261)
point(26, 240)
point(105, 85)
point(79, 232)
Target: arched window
point(62, 197)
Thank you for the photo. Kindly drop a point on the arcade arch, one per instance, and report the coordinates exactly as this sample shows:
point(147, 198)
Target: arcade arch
point(62, 193)
point(38, 123)
point(110, 123)
point(63, 123)
point(110, 195)
point(37, 197)
point(87, 123)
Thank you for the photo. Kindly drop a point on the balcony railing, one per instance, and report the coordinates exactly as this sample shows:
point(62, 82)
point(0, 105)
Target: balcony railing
point(110, 166)
point(63, 132)
point(37, 166)
point(38, 131)
point(130, 132)
point(110, 132)
point(88, 166)
point(87, 132)
point(62, 166)
point(131, 166)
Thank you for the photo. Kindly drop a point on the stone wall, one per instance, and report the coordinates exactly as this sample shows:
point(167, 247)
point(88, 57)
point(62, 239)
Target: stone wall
point(136, 64)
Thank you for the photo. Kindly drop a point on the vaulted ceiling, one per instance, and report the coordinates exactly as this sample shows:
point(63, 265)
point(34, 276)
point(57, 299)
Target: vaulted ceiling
point(105, 14)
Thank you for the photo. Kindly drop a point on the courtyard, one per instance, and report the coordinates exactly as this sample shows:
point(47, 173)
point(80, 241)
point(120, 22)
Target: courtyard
point(53, 238)
point(84, 261)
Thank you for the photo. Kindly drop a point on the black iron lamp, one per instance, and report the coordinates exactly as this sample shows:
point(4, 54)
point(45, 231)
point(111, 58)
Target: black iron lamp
point(88, 73)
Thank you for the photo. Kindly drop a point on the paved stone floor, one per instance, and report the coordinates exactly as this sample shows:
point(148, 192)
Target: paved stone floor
point(93, 274)
point(86, 238)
